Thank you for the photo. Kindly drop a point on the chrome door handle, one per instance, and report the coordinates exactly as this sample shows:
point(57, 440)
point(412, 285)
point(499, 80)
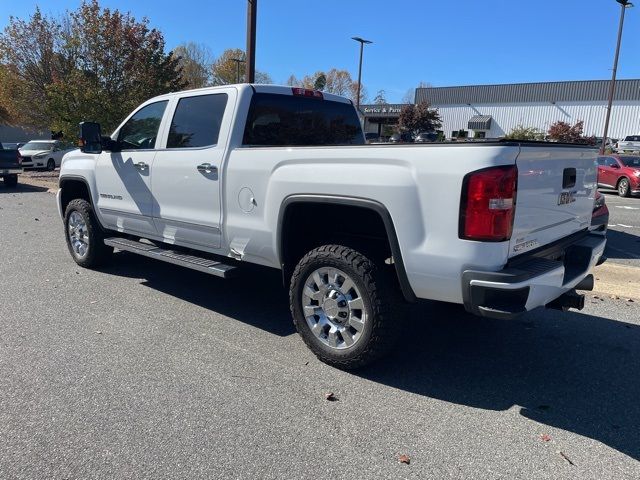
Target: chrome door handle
point(207, 168)
point(141, 166)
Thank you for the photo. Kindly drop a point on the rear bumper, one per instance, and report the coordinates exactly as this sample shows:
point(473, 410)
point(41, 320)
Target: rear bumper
point(10, 171)
point(532, 281)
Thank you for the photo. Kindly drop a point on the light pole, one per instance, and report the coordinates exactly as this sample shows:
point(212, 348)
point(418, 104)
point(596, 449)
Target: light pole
point(624, 4)
point(362, 41)
point(238, 62)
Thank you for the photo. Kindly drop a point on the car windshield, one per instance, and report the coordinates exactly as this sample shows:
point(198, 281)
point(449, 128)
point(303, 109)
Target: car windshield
point(38, 146)
point(631, 161)
point(632, 138)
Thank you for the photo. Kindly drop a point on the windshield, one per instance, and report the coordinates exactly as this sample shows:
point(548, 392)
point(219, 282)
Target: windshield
point(38, 146)
point(631, 161)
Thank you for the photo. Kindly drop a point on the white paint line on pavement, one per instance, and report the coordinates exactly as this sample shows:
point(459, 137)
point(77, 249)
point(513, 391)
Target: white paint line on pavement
point(626, 207)
point(625, 226)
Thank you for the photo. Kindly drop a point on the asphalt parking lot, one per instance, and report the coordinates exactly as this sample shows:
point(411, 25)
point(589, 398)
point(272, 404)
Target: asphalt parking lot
point(147, 370)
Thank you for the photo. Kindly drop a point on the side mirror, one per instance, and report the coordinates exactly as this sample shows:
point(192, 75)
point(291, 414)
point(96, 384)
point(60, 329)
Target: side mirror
point(90, 137)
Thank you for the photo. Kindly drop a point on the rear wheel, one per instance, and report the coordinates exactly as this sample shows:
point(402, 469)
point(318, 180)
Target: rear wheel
point(623, 187)
point(51, 165)
point(84, 235)
point(11, 180)
point(343, 306)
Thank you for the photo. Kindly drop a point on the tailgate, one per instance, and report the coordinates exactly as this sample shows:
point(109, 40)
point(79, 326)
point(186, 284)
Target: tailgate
point(9, 159)
point(555, 196)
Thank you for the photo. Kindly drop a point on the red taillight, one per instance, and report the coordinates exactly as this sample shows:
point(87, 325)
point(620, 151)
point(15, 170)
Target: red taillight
point(19, 157)
point(306, 92)
point(488, 204)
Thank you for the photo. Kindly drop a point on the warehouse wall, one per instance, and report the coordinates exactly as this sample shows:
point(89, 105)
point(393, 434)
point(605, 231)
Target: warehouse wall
point(625, 118)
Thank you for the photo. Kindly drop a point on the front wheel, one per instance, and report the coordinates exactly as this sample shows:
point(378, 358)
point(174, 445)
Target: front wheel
point(343, 306)
point(623, 187)
point(84, 235)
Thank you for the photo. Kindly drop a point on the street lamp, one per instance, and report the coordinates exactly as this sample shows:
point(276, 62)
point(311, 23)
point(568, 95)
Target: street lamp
point(624, 4)
point(362, 41)
point(238, 62)
point(252, 14)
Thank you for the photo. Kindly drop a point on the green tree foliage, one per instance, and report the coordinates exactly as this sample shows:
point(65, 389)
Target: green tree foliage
point(94, 63)
point(419, 118)
point(224, 70)
point(520, 132)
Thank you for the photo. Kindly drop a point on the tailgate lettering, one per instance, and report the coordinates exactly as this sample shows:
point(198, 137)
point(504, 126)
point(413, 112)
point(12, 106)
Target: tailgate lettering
point(567, 197)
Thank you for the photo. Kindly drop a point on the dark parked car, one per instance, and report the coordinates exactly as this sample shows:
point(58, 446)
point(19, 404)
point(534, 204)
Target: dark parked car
point(620, 172)
point(10, 166)
point(372, 137)
point(426, 137)
point(401, 138)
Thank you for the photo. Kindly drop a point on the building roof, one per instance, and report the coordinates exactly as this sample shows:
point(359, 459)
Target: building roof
point(574, 91)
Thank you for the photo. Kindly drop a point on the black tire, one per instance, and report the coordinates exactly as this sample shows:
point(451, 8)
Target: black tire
point(97, 252)
point(623, 187)
point(51, 165)
point(11, 181)
point(381, 300)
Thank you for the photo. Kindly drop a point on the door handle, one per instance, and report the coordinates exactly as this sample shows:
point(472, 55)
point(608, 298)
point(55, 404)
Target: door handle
point(141, 166)
point(207, 168)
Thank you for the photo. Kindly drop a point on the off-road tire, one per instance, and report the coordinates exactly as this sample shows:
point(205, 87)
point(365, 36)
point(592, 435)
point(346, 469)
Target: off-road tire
point(381, 298)
point(98, 253)
point(11, 181)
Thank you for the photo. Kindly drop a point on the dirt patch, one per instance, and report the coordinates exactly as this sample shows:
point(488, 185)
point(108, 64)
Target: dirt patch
point(47, 180)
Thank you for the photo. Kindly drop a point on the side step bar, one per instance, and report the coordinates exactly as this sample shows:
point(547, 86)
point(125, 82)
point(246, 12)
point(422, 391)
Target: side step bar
point(193, 262)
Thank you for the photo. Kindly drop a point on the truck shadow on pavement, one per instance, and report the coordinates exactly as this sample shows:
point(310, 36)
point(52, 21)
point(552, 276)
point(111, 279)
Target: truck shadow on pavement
point(622, 245)
point(571, 371)
point(21, 188)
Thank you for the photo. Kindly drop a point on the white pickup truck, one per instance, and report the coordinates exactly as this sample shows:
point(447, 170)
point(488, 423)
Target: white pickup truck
point(630, 144)
point(214, 178)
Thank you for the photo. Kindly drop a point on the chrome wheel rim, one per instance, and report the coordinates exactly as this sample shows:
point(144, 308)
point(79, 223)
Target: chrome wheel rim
point(78, 234)
point(333, 308)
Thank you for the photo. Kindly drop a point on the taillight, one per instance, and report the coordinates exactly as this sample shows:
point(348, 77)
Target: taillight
point(488, 204)
point(306, 92)
point(19, 157)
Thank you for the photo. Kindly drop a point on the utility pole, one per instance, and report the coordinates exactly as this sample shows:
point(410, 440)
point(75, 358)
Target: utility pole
point(362, 41)
point(252, 13)
point(624, 4)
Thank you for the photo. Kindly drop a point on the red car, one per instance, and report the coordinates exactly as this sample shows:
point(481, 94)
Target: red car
point(620, 172)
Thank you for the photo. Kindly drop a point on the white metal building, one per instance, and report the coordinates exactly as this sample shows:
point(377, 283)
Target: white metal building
point(492, 111)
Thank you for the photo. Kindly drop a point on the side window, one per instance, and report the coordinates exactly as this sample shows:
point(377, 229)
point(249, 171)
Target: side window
point(611, 161)
point(141, 130)
point(197, 120)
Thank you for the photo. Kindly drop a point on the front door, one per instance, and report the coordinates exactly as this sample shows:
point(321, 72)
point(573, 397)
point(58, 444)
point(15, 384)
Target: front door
point(186, 174)
point(123, 178)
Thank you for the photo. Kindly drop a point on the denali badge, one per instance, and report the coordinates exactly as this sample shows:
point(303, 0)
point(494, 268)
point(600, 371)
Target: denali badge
point(112, 197)
point(567, 197)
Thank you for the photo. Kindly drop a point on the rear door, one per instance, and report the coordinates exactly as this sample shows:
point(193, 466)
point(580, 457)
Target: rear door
point(186, 174)
point(555, 196)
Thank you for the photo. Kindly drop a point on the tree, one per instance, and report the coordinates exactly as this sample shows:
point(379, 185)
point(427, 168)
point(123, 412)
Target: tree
point(91, 64)
point(419, 118)
point(224, 70)
point(321, 82)
point(353, 93)
point(410, 96)
point(520, 132)
point(195, 61)
point(380, 98)
point(564, 132)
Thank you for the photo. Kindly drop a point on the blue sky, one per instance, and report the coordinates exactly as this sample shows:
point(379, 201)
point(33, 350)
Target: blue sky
point(442, 42)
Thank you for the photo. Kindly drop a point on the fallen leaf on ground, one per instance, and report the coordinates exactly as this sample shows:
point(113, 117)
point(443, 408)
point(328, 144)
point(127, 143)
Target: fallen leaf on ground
point(545, 437)
point(564, 455)
point(330, 397)
point(630, 300)
point(404, 459)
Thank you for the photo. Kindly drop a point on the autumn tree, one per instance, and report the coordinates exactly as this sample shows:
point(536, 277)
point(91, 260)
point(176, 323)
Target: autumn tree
point(410, 96)
point(419, 118)
point(92, 64)
point(380, 98)
point(567, 133)
point(338, 82)
point(194, 60)
point(224, 69)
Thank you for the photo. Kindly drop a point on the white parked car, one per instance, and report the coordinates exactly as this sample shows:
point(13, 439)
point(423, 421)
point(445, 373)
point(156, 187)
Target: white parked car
point(216, 178)
point(43, 154)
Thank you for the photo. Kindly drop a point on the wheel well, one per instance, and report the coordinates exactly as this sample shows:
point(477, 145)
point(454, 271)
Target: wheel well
point(72, 189)
point(307, 225)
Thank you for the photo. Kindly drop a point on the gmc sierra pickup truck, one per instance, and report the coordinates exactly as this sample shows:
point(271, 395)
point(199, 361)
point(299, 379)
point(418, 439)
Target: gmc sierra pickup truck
point(10, 166)
point(214, 178)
